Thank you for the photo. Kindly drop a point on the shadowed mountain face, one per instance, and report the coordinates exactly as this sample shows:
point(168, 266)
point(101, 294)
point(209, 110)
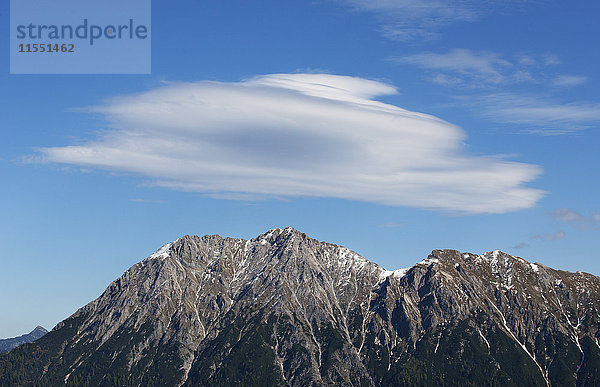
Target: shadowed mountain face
point(284, 309)
point(7, 345)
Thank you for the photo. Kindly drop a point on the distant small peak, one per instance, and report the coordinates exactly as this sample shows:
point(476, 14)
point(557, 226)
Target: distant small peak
point(290, 230)
point(278, 235)
point(287, 229)
point(40, 328)
point(277, 231)
point(163, 252)
point(443, 255)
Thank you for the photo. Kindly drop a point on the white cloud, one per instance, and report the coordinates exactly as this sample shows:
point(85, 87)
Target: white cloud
point(539, 116)
point(312, 135)
point(547, 59)
point(487, 75)
point(569, 80)
point(467, 64)
point(484, 69)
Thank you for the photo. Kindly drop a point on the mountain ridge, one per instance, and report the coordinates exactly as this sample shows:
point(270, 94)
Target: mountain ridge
point(6, 345)
point(286, 309)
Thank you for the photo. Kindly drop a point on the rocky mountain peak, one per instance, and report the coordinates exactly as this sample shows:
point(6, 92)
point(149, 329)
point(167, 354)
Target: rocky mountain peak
point(40, 329)
point(284, 308)
point(7, 345)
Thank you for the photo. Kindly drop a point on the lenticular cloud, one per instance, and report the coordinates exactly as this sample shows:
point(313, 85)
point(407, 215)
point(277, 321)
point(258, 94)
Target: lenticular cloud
point(309, 135)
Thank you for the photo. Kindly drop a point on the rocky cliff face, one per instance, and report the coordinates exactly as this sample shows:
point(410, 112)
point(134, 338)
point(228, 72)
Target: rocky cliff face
point(285, 309)
point(7, 345)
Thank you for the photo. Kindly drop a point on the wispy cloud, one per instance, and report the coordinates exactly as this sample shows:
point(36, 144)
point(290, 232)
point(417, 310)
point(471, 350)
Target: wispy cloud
point(580, 221)
point(567, 215)
point(569, 80)
point(463, 65)
point(405, 20)
point(551, 59)
point(539, 116)
point(520, 246)
point(557, 236)
point(289, 135)
point(466, 68)
point(526, 60)
point(485, 78)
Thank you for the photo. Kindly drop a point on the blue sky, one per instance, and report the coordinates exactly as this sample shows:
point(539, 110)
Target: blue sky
point(389, 127)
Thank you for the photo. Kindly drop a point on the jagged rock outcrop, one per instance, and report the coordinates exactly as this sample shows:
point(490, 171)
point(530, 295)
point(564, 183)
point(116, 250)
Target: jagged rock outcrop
point(285, 309)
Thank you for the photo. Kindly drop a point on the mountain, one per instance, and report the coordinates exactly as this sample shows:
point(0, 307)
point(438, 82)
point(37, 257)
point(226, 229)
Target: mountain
point(8, 344)
point(285, 309)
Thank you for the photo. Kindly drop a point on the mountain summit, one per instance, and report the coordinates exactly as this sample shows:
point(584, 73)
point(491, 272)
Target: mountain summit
point(285, 309)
